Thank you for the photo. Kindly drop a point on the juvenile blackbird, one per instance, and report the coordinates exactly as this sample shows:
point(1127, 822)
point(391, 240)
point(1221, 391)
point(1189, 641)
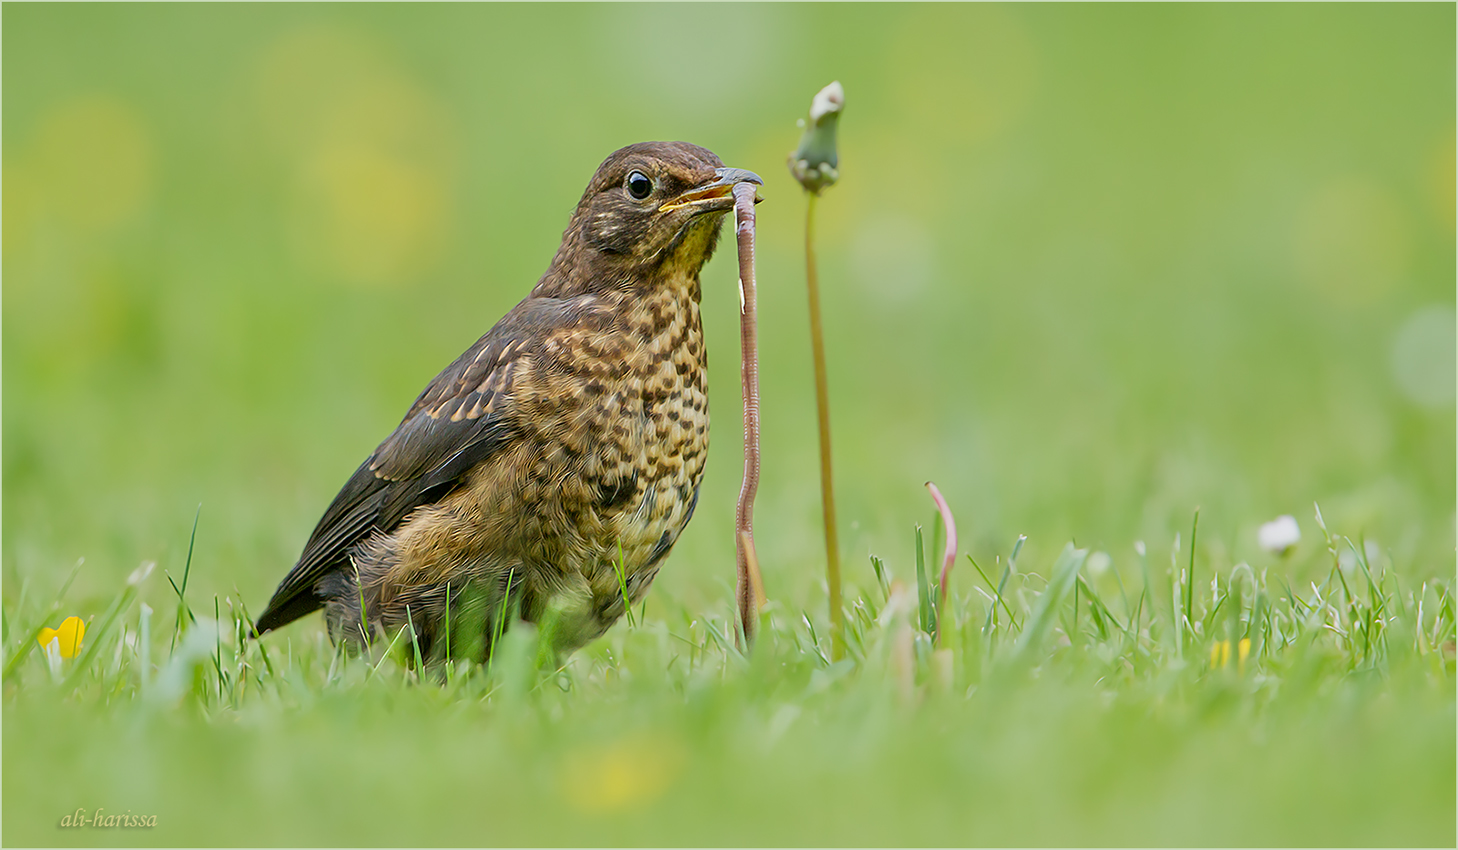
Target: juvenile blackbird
point(546, 473)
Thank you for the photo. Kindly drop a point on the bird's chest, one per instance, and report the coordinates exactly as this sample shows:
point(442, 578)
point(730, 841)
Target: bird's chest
point(620, 425)
point(657, 450)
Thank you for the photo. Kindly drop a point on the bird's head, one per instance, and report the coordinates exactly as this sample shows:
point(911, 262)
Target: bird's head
point(651, 209)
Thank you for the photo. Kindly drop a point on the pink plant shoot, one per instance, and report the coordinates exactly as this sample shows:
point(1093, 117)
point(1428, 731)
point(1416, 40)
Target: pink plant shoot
point(949, 553)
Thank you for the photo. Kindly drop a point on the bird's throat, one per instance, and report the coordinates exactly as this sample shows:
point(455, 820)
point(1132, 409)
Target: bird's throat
point(686, 255)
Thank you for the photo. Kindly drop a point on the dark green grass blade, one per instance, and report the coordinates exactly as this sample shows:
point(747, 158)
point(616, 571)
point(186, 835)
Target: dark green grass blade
point(414, 640)
point(926, 616)
point(618, 569)
point(500, 625)
point(182, 606)
point(252, 632)
point(996, 595)
point(1098, 609)
point(1006, 574)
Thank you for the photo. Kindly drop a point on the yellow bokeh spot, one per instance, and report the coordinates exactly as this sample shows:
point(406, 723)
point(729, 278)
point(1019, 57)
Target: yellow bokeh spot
point(372, 156)
point(68, 637)
point(1352, 242)
point(1243, 652)
point(372, 217)
point(86, 168)
point(91, 162)
point(619, 776)
point(1445, 181)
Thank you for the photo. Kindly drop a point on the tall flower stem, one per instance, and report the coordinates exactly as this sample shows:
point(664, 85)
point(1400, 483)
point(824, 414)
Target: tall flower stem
point(815, 165)
point(822, 407)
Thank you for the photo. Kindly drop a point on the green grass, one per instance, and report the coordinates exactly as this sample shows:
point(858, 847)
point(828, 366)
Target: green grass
point(1089, 268)
point(1079, 705)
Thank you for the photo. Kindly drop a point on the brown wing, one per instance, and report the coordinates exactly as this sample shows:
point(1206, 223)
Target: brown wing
point(461, 419)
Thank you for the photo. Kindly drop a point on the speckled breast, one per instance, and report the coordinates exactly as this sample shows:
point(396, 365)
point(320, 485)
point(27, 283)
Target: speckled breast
point(664, 438)
point(631, 419)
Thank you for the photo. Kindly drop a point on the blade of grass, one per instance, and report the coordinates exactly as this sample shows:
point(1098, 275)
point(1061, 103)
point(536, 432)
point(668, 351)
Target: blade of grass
point(181, 592)
point(218, 637)
point(389, 648)
point(31, 641)
point(814, 638)
point(500, 625)
point(618, 569)
point(414, 640)
point(996, 595)
point(95, 635)
point(1045, 612)
point(1096, 603)
point(1176, 595)
point(1190, 584)
point(263, 650)
point(364, 627)
point(1002, 583)
point(879, 568)
point(926, 616)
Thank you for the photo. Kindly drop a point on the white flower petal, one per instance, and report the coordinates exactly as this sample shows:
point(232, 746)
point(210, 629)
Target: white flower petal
point(1280, 534)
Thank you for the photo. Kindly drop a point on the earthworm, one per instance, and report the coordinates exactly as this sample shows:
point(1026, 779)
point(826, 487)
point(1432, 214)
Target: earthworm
point(749, 589)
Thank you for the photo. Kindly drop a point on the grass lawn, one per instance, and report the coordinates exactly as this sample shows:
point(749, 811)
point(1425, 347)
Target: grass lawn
point(1126, 282)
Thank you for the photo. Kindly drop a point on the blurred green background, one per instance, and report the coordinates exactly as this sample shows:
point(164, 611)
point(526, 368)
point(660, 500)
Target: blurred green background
point(1088, 267)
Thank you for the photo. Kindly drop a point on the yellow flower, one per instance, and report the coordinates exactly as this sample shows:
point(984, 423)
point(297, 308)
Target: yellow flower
point(1220, 653)
point(623, 775)
point(68, 637)
point(1243, 652)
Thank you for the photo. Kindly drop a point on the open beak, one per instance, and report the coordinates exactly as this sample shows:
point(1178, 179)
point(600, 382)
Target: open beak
point(716, 195)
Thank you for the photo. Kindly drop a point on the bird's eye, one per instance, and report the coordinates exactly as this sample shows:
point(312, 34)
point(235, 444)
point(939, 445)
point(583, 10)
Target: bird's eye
point(639, 186)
